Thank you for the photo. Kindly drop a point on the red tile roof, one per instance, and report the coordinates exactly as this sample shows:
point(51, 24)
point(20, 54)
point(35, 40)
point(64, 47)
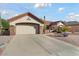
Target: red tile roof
point(25, 14)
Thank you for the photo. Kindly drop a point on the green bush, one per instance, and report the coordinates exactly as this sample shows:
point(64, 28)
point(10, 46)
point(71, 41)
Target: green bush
point(65, 29)
point(62, 29)
point(5, 24)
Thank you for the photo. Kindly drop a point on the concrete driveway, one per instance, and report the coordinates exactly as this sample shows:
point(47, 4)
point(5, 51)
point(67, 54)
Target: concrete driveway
point(39, 45)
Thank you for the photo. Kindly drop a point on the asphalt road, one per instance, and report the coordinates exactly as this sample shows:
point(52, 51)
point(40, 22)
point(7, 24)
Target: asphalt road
point(39, 45)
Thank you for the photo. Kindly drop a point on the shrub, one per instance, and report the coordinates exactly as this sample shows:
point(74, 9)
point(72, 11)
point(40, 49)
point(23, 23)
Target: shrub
point(65, 29)
point(5, 24)
point(62, 29)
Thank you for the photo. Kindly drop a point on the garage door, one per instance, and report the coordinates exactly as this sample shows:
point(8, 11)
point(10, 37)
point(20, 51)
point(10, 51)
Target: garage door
point(25, 29)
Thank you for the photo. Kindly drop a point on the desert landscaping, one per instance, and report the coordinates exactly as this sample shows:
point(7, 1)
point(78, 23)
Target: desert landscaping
point(39, 29)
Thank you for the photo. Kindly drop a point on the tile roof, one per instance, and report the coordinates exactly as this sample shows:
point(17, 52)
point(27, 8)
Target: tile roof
point(55, 23)
point(25, 14)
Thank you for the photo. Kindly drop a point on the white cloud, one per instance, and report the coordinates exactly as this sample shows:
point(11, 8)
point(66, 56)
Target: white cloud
point(6, 13)
point(3, 12)
point(77, 15)
point(42, 5)
point(61, 9)
point(73, 17)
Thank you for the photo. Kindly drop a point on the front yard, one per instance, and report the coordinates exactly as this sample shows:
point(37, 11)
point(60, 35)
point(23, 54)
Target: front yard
point(4, 40)
point(72, 38)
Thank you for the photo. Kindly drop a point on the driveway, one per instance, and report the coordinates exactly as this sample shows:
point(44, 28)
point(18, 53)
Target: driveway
point(39, 45)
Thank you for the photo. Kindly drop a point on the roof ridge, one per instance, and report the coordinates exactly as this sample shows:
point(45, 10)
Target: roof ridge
point(24, 14)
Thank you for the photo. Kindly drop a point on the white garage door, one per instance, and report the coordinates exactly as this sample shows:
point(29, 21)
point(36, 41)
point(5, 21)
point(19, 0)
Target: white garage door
point(25, 29)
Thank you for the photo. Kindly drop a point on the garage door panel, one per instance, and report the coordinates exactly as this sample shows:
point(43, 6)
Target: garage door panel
point(24, 29)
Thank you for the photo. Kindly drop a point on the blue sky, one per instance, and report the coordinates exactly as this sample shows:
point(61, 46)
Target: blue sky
point(52, 11)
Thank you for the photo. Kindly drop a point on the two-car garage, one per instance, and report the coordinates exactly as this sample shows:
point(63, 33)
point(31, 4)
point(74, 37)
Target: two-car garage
point(22, 29)
point(27, 28)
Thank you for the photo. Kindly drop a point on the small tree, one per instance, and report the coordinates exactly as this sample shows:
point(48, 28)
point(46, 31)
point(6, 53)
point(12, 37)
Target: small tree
point(5, 27)
point(5, 24)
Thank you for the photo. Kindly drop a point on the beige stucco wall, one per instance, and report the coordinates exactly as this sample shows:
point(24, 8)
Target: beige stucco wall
point(24, 19)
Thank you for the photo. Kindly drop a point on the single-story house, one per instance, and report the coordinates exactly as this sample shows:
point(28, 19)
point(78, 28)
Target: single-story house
point(53, 25)
point(26, 23)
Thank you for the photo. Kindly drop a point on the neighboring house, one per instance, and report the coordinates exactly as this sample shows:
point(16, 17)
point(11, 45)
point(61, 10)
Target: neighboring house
point(26, 23)
point(72, 26)
point(53, 26)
